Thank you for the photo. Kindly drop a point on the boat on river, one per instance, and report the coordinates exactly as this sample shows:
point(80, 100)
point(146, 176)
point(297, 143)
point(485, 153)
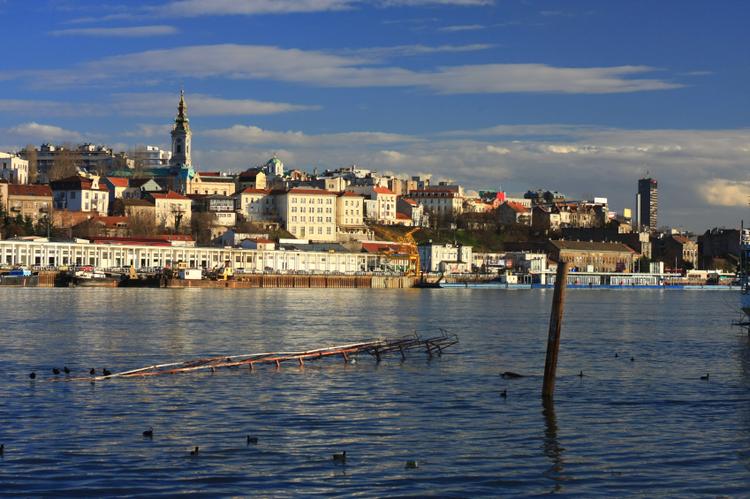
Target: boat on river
point(92, 278)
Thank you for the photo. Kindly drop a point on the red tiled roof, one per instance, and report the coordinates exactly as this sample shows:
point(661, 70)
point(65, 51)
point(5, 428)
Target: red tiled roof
point(209, 174)
point(117, 181)
point(517, 207)
point(350, 194)
point(402, 216)
point(252, 190)
point(302, 190)
point(382, 190)
point(263, 241)
point(409, 201)
point(167, 195)
point(378, 247)
point(29, 190)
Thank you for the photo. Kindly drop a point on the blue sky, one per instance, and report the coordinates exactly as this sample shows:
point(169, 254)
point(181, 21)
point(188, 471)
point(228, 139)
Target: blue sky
point(579, 96)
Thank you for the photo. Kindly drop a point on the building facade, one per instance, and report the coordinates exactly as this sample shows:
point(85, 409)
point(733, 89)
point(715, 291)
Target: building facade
point(647, 204)
point(14, 169)
point(30, 201)
point(308, 213)
point(78, 193)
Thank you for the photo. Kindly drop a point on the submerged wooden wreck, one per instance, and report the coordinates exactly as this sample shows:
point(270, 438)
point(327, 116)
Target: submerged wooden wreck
point(377, 349)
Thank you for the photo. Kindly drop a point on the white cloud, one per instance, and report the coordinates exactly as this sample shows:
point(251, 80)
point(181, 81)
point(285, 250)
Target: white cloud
point(247, 134)
point(146, 131)
point(37, 132)
point(461, 27)
point(722, 192)
point(195, 8)
point(380, 53)
point(329, 70)
point(150, 104)
point(502, 151)
point(121, 32)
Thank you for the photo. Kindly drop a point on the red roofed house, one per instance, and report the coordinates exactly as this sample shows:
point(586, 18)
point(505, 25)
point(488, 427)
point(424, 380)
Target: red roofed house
point(350, 212)
point(511, 212)
point(78, 193)
point(28, 200)
point(381, 206)
point(117, 187)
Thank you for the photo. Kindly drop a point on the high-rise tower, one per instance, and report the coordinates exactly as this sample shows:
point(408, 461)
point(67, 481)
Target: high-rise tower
point(181, 136)
point(647, 204)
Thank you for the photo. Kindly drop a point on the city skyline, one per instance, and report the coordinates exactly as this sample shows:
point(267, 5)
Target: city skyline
point(514, 94)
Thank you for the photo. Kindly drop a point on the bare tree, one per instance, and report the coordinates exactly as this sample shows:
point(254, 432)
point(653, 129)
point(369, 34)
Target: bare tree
point(30, 155)
point(201, 225)
point(64, 165)
point(142, 224)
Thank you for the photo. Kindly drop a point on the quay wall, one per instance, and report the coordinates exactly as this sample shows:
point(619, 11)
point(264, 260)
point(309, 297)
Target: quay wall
point(297, 281)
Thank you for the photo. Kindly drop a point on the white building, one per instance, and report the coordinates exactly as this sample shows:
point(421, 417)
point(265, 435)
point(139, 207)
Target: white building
point(257, 205)
point(446, 258)
point(14, 169)
point(308, 213)
point(383, 208)
point(442, 201)
point(78, 193)
point(152, 156)
point(42, 253)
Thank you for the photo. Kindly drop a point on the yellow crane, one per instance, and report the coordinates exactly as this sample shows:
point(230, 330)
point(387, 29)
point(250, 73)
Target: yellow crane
point(412, 252)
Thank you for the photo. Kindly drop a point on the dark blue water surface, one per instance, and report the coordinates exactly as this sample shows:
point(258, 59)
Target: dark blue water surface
point(648, 427)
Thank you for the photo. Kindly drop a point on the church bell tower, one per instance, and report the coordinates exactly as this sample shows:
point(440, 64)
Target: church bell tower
point(181, 136)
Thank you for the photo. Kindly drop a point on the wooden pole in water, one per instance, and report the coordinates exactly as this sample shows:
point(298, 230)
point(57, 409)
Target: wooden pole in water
point(555, 326)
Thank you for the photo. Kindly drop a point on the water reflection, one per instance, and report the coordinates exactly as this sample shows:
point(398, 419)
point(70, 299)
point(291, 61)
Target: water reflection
point(551, 444)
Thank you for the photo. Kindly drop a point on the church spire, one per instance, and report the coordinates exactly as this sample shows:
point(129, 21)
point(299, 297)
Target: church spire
point(181, 136)
point(182, 120)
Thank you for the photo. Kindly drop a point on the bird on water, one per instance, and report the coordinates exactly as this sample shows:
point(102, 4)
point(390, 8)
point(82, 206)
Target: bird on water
point(55, 371)
point(705, 377)
point(2, 449)
point(339, 458)
point(194, 452)
point(580, 374)
point(504, 394)
point(32, 375)
point(92, 371)
point(66, 370)
point(106, 372)
point(632, 359)
point(149, 433)
point(252, 440)
point(410, 465)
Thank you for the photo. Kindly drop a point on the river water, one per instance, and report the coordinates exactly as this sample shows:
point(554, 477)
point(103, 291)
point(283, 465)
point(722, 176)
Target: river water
point(649, 426)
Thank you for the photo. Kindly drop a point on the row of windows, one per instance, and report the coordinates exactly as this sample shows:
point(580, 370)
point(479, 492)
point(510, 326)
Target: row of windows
point(302, 209)
point(303, 200)
point(301, 231)
point(312, 219)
